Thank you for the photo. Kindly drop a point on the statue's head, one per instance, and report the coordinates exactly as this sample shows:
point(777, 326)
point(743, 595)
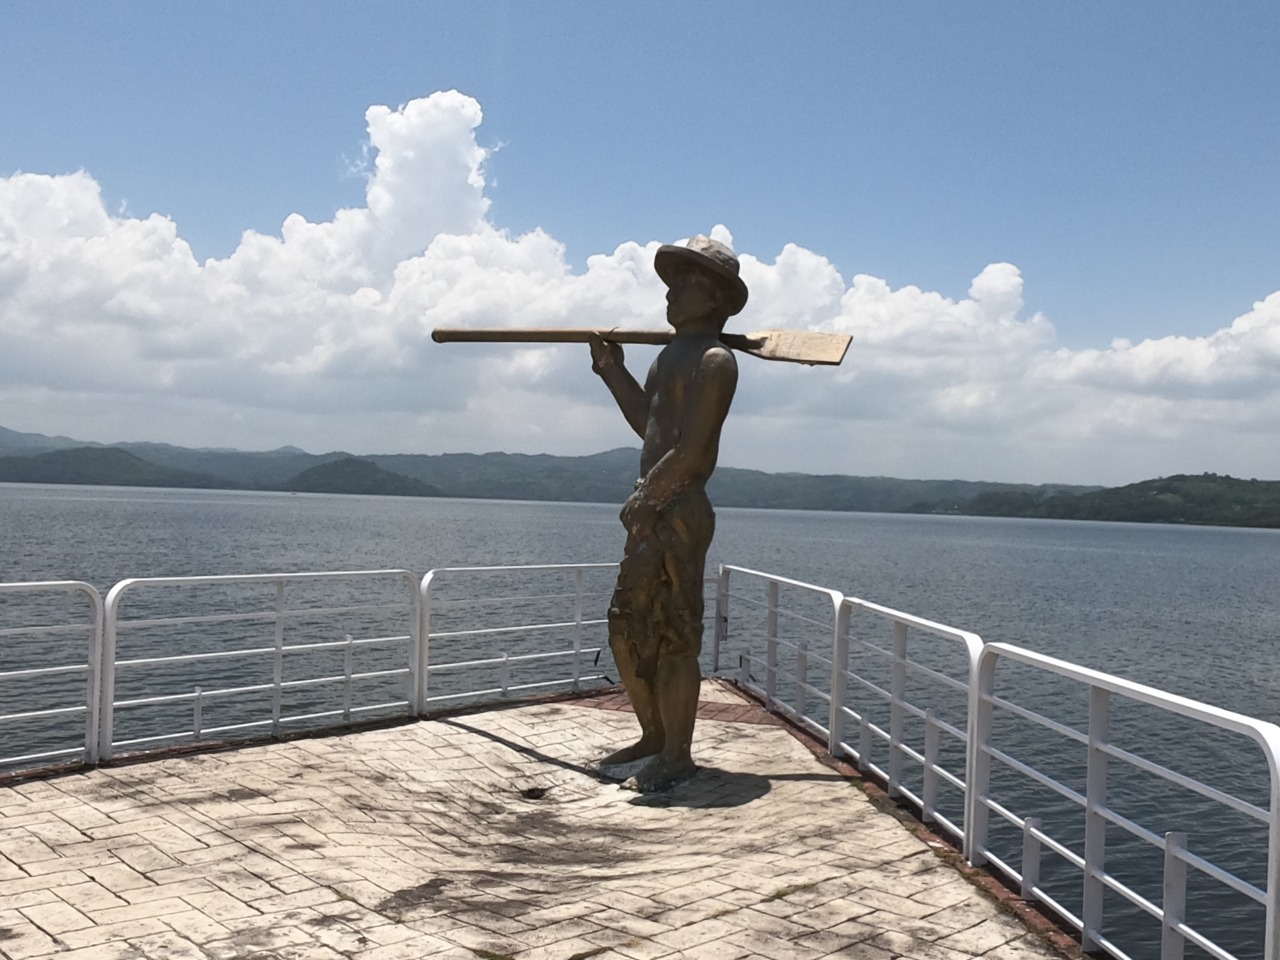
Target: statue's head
point(702, 279)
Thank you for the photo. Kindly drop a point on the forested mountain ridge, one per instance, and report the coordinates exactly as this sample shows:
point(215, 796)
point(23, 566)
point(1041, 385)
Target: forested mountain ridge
point(1203, 498)
point(609, 477)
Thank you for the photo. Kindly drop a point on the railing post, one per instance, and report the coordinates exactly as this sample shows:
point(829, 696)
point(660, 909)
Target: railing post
point(577, 629)
point(1095, 825)
point(277, 671)
point(424, 639)
point(504, 675)
point(107, 686)
point(771, 646)
point(415, 645)
point(1271, 948)
point(1030, 858)
point(197, 714)
point(977, 814)
point(929, 791)
point(720, 630)
point(839, 675)
point(897, 714)
point(1174, 902)
point(93, 684)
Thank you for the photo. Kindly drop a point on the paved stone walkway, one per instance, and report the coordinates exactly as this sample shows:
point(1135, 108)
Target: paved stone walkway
point(486, 835)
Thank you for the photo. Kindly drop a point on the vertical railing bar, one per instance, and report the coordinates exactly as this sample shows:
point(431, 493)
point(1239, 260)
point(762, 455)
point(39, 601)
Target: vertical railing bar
point(929, 791)
point(720, 631)
point(1174, 901)
point(197, 713)
point(1030, 858)
point(347, 670)
point(771, 646)
point(802, 676)
point(897, 714)
point(865, 740)
point(839, 674)
point(1095, 826)
point(277, 672)
point(577, 629)
point(800, 699)
point(505, 674)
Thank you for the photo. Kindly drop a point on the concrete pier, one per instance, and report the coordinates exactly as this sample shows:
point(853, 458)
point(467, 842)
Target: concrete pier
point(484, 835)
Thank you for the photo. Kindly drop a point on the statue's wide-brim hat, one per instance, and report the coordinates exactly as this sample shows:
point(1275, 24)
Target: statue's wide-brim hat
point(710, 256)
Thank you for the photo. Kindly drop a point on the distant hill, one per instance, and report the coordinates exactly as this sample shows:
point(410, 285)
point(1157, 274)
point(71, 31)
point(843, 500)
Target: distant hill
point(353, 475)
point(1206, 498)
point(13, 443)
point(607, 477)
point(733, 487)
point(100, 465)
point(264, 470)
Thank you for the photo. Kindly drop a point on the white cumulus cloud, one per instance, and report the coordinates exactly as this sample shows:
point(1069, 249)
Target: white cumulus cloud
point(320, 336)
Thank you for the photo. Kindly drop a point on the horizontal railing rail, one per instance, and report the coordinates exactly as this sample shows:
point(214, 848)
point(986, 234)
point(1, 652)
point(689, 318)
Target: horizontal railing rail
point(76, 684)
point(562, 615)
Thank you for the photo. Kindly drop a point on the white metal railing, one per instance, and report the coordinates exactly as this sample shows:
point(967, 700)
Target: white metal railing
point(929, 699)
point(272, 619)
point(80, 699)
point(777, 665)
point(1093, 806)
point(850, 695)
point(939, 700)
point(447, 623)
point(790, 634)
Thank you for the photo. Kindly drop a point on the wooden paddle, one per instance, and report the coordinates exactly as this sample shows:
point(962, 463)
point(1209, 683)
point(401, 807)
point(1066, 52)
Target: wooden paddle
point(794, 346)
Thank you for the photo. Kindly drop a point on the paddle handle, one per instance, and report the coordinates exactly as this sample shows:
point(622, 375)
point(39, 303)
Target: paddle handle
point(568, 335)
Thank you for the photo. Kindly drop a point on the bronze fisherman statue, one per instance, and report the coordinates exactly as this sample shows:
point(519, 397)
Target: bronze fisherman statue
point(655, 618)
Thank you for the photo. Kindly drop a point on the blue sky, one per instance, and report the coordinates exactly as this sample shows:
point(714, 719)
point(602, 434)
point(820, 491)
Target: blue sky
point(1125, 158)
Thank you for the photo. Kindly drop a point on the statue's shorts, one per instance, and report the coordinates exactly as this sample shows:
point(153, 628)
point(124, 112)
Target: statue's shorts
point(657, 604)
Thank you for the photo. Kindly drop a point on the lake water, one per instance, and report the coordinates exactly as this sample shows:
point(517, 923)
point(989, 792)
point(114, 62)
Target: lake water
point(1188, 609)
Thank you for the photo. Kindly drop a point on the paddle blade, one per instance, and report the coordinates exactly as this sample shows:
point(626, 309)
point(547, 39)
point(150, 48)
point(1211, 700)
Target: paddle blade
point(794, 346)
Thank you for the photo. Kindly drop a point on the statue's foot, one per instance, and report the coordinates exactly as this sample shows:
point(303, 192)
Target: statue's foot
point(663, 772)
point(642, 748)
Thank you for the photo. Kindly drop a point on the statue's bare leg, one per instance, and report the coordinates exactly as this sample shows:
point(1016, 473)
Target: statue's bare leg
point(678, 682)
point(645, 702)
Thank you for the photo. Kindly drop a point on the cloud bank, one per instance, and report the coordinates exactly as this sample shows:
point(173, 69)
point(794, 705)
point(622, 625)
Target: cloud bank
point(111, 330)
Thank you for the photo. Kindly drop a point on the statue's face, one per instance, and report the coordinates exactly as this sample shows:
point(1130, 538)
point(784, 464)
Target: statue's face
point(691, 296)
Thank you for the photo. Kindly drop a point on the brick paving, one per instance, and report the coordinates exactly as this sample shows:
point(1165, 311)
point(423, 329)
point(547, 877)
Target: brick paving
point(486, 835)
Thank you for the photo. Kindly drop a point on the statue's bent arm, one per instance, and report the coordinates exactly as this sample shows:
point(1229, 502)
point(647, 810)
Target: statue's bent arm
point(632, 399)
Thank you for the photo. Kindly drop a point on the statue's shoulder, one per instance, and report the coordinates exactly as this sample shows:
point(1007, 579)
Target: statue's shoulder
point(720, 356)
